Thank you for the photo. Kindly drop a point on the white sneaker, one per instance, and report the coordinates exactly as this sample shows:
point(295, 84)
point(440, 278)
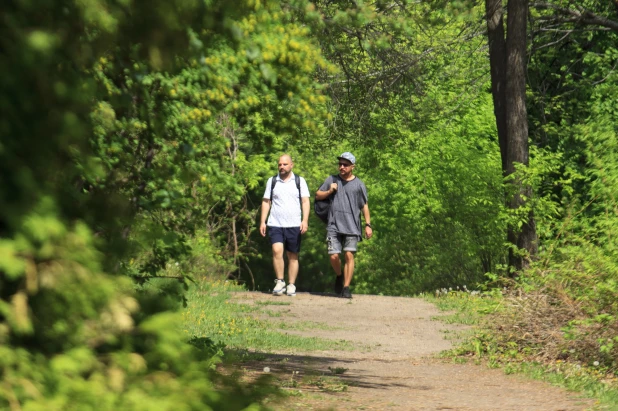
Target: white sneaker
point(291, 290)
point(279, 287)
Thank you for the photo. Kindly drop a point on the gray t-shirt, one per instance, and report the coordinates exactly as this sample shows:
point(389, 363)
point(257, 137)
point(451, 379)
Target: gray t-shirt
point(350, 197)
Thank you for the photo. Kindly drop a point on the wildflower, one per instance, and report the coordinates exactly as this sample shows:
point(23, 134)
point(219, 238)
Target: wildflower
point(596, 363)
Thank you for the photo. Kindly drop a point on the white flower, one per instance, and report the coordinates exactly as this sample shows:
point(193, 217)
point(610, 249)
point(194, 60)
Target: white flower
point(266, 369)
point(596, 363)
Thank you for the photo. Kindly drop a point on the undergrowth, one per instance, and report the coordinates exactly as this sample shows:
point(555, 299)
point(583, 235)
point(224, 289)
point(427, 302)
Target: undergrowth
point(538, 333)
point(245, 341)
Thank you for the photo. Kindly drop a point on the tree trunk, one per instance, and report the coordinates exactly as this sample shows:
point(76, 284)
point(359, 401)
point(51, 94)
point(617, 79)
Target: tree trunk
point(497, 64)
point(508, 78)
point(517, 122)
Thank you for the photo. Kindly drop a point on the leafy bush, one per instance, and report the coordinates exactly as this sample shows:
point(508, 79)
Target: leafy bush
point(566, 308)
point(117, 144)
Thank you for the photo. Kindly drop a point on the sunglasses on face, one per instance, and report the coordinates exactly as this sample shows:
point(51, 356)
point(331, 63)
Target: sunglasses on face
point(344, 165)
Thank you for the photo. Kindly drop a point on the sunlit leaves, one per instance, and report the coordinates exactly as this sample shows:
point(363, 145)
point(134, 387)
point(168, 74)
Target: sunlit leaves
point(98, 166)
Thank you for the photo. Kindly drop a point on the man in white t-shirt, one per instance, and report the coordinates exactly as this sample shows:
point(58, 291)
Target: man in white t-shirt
point(288, 220)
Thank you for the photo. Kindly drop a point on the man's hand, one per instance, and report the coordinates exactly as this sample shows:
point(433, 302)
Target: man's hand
point(303, 227)
point(323, 195)
point(265, 210)
point(368, 232)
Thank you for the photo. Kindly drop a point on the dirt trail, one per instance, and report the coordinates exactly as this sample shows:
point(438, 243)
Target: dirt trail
point(394, 364)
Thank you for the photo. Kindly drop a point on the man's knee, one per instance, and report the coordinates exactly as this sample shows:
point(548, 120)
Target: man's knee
point(292, 256)
point(334, 257)
point(349, 256)
point(278, 250)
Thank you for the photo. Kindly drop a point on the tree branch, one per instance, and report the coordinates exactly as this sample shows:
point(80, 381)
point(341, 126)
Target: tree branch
point(578, 16)
point(568, 33)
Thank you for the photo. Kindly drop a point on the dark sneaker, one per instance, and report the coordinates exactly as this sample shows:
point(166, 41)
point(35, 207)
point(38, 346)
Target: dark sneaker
point(346, 293)
point(338, 284)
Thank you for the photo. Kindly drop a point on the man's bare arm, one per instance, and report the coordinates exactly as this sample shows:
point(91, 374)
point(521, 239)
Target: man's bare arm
point(304, 225)
point(323, 195)
point(265, 210)
point(368, 229)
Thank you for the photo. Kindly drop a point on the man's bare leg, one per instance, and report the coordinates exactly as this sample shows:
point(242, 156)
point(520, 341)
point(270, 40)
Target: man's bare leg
point(335, 262)
point(292, 267)
point(278, 262)
point(348, 269)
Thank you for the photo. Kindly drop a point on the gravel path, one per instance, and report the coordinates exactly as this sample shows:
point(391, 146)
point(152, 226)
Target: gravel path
point(394, 366)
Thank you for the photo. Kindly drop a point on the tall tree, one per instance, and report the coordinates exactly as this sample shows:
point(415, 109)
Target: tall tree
point(497, 63)
point(508, 76)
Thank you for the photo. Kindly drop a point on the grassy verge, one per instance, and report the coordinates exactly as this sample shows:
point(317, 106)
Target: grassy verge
point(487, 344)
point(249, 340)
point(210, 313)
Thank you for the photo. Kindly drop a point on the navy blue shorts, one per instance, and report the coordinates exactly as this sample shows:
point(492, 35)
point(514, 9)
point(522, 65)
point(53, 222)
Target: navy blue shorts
point(289, 236)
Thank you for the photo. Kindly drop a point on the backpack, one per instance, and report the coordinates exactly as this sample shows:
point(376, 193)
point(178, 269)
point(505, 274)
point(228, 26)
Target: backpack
point(321, 208)
point(274, 181)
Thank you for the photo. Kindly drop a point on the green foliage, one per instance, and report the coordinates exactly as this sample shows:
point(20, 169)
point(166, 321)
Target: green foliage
point(578, 218)
point(496, 343)
point(125, 151)
point(564, 308)
point(416, 113)
point(136, 139)
point(178, 144)
point(580, 261)
point(427, 200)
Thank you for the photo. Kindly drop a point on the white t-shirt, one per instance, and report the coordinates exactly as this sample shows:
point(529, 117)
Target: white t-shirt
point(285, 209)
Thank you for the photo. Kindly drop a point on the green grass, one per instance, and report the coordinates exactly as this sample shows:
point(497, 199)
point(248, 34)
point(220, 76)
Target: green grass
point(272, 303)
point(327, 384)
point(321, 382)
point(304, 325)
point(481, 346)
point(248, 338)
point(210, 313)
point(464, 308)
point(573, 378)
point(337, 370)
point(272, 314)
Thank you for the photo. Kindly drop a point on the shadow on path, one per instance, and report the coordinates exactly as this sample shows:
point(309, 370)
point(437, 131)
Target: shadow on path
point(284, 366)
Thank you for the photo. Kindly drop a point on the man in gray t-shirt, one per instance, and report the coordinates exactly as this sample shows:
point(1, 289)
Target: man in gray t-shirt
point(343, 231)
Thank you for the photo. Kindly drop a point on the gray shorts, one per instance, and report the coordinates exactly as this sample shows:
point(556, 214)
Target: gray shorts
point(334, 242)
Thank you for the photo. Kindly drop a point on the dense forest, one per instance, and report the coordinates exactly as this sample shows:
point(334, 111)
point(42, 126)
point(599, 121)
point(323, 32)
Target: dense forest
point(136, 139)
